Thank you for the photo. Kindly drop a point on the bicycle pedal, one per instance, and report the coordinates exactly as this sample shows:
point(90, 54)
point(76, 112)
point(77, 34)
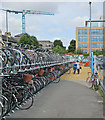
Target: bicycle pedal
point(20, 105)
point(16, 108)
point(23, 103)
point(34, 95)
point(8, 114)
point(30, 98)
point(12, 111)
point(4, 118)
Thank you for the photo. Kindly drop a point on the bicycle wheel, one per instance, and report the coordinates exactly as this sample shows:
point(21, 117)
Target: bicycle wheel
point(6, 104)
point(25, 99)
point(1, 110)
point(88, 81)
point(69, 71)
point(44, 80)
point(37, 85)
point(11, 103)
point(96, 84)
point(56, 78)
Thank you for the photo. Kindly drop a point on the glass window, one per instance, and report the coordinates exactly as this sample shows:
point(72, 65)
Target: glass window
point(94, 24)
point(97, 45)
point(85, 51)
point(97, 38)
point(82, 45)
point(88, 24)
point(101, 24)
point(97, 31)
point(93, 50)
point(82, 38)
point(82, 32)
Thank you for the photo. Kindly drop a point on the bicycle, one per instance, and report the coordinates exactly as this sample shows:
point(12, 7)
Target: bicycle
point(93, 81)
point(16, 63)
point(68, 72)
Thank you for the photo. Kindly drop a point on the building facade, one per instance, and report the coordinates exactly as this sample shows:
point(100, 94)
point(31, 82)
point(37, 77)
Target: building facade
point(94, 40)
point(3, 38)
point(0, 38)
point(46, 45)
point(18, 36)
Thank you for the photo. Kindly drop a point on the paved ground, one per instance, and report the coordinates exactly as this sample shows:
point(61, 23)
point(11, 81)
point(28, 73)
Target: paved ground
point(67, 99)
point(82, 76)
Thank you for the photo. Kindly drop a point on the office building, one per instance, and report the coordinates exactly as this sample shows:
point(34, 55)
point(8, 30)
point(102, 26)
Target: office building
point(94, 40)
point(46, 45)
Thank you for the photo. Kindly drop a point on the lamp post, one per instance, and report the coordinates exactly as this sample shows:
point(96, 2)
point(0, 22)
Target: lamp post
point(90, 32)
point(7, 25)
point(91, 53)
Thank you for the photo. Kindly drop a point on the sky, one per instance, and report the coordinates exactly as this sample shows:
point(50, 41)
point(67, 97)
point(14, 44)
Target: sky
point(62, 25)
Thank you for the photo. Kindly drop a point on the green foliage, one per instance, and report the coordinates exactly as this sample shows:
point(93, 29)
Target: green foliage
point(70, 53)
point(98, 52)
point(25, 39)
point(103, 52)
point(78, 51)
point(72, 46)
point(58, 42)
point(100, 90)
point(85, 54)
point(34, 41)
point(30, 40)
point(59, 50)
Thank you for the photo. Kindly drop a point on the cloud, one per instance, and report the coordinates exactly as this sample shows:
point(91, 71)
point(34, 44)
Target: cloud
point(78, 21)
point(1, 14)
point(32, 29)
point(37, 6)
point(55, 30)
point(62, 25)
point(52, 0)
point(14, 24)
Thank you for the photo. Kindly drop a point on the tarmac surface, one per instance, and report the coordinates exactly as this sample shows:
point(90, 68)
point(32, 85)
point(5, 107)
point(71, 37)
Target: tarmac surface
point(66, 99)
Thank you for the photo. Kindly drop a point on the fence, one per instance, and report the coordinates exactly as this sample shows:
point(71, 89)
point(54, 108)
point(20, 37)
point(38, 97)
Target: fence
point(99, 62)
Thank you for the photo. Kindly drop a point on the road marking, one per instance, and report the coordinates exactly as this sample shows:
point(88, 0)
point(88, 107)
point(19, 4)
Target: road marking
point(100, 101)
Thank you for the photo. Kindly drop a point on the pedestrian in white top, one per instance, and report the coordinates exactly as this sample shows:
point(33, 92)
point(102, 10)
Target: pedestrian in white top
point(78, 66)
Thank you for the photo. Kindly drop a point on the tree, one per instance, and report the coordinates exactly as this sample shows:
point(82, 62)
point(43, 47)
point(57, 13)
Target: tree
point(59, 50)
point(78, 51)
point(30, 40)
point(72, 46)
point(34, 41)
point(98, 52)
point(103, 52)
point(25, 39)
point(58, 42)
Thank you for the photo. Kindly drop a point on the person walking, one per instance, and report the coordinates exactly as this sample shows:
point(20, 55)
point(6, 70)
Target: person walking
point(78, 67)
point(74, 67)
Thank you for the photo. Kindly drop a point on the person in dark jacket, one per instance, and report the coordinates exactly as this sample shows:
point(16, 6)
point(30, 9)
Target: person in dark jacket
point(78, 66)
point(74, 67)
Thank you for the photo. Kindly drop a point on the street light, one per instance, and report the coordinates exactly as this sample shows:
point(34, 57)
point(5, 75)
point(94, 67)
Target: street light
point(91, 53)
point(90, 31)
point(7, 25)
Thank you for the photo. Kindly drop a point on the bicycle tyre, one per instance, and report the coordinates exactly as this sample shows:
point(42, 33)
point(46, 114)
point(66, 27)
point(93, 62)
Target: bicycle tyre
point(88, 81)
point(57, 78)
point(22, 106)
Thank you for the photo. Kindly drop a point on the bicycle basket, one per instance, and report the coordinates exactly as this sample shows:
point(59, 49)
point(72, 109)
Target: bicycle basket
point(61, 67)
point(52, 69)
point(28, 77)
point(40, 72)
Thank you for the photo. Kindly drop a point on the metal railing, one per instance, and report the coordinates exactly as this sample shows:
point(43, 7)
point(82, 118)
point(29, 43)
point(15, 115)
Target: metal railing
point(100, 64)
